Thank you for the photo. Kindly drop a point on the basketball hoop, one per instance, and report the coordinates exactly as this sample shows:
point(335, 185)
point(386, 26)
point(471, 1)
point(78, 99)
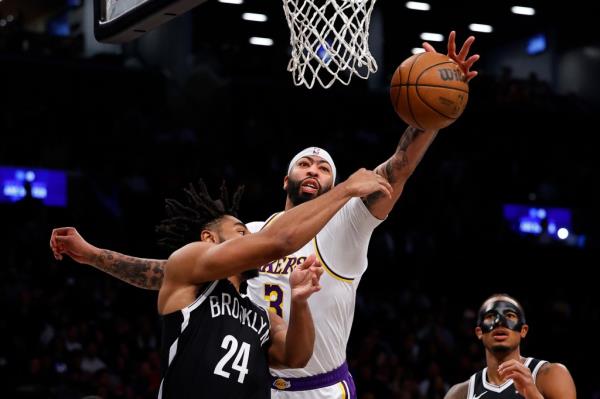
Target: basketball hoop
point(330, 40)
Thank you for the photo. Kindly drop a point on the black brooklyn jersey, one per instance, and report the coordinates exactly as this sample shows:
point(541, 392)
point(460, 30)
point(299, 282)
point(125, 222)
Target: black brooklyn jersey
point(216, 348)
point(479, 387)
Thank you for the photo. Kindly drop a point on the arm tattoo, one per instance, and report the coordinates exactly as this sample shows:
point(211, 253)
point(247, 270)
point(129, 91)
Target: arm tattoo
point(143, 273)
point(399, 161)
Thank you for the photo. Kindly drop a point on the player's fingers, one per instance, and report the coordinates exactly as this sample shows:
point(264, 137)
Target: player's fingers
point(513, 369)
point(471, 75)
point(509, 363)
point(429, 48)
point(385, 190)
point(308, 262)
point(383, 181)
point(59, 231)
point(466, 47)
point(62, 241)
point(386, 183)
point(319, 271)
point(471, 60)
point(314, 280)
point(452, 43)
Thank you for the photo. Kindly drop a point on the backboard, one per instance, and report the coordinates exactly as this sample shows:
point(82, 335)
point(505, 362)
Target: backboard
point(120, 21)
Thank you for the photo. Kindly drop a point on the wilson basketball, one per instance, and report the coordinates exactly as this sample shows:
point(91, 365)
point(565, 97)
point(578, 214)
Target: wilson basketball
point(429, 91)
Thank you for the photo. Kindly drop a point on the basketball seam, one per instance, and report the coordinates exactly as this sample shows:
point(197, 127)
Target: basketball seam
point(408, 92)
point(424, 102)
point(399, 89)
point(444, 87)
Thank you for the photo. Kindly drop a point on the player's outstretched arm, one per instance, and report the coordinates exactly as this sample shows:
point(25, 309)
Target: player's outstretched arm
point(285, 235)
point(414, 142)
point(458, 391)
point(292, 346)
point(142, 273)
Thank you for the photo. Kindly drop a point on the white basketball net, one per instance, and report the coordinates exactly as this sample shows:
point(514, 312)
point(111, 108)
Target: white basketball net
point(330, 40)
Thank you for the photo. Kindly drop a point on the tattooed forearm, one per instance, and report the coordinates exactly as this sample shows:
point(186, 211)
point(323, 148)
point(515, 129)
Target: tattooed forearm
point(405, 159)
point(143, 273)
point(400, 159)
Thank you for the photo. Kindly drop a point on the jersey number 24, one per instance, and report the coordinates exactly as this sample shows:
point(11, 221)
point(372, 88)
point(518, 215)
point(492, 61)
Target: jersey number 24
point(240, 363)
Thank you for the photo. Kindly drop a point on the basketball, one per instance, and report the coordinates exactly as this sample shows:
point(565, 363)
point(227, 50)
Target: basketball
point(429, 91)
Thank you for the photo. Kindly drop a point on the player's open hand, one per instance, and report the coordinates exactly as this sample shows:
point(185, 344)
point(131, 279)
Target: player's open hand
point(68, 241)
point(460, 58)
point(304, 280)
point(521, 376)
point(364, 182)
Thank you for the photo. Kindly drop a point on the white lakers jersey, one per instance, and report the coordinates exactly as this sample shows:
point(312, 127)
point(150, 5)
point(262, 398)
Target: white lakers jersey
point(342, 248)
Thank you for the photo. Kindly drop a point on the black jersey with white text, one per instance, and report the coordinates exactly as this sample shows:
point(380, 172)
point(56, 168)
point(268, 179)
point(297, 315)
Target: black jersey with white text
point(480, 388)
point(216, 347)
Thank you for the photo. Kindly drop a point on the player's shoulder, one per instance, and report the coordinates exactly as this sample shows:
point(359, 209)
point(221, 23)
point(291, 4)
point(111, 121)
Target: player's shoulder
point(187, 252)
point(458, 391)
point(554, 380)
point(551, 371)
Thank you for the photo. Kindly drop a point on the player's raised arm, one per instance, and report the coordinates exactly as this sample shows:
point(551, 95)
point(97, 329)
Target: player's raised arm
point(414, 142)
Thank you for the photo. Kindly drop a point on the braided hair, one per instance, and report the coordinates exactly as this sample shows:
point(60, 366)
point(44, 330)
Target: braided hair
point(185, 220)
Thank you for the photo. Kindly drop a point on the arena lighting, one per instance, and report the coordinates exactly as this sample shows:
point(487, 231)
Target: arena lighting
point(522, 10)
point(483, 28)
point(49, 186)
point(261, 41)
point(418, 50)
point(417, 5)
point(563, 233)
point(434, 37)
point(232, 1)
point(536, 44)
point(251, 16)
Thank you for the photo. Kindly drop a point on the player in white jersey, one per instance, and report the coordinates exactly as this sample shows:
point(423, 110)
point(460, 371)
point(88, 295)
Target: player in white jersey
point(342, 248)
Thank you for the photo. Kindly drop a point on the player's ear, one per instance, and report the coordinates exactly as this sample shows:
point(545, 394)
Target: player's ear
point(285, 182)
point(478, 332)
point(524, 330)
point(208, 236)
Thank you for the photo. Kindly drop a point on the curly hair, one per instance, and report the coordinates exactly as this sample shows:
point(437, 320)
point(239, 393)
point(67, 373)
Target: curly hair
point(186, 220)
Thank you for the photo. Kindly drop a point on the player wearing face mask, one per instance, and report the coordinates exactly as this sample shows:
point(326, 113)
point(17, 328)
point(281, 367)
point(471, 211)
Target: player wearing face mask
point(500, 327)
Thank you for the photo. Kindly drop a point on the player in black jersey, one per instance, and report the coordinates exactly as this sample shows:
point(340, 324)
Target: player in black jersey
point(500, 326)
point(217, 343)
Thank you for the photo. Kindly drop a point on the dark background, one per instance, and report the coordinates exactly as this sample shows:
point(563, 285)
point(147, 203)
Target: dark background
point(132, 124)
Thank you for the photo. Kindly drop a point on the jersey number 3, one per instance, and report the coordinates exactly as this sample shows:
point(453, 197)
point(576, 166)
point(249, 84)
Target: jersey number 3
point(274, 295)
point(240, 363)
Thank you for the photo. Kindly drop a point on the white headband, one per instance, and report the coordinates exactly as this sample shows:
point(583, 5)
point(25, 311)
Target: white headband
point(316, 151)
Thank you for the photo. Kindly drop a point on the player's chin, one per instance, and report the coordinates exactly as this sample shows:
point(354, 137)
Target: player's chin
point(500, 348)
